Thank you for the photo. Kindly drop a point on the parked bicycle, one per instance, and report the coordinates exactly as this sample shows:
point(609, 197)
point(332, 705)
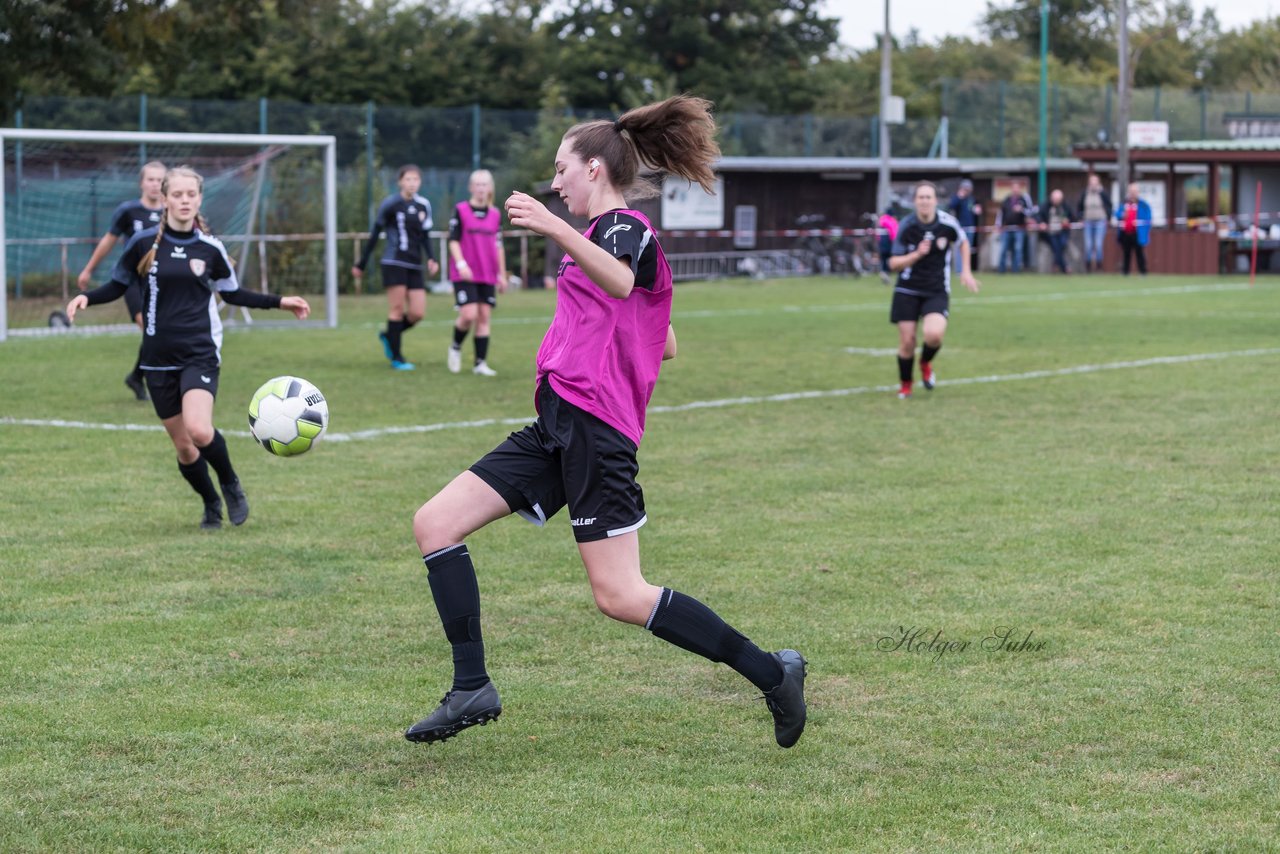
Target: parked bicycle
point(822, 254)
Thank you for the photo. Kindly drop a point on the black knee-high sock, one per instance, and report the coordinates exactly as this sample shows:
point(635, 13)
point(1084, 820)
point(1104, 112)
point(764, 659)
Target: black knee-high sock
point(482, 347)
point(905, 367)
point(457, 596)
point(687, 623)
point(197, 474)
point(927, 353)
point(394, 329)
point(216, 453)
point(459, 335)
point(408, 324)
point(137, 366)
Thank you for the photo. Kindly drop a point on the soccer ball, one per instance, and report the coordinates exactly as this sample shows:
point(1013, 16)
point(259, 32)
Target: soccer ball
point(288, 415)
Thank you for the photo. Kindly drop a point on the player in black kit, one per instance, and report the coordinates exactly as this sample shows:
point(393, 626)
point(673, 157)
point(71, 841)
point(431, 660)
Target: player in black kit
point(922, 260)
point(127, 220)
point(185, 270)
point(405, 217)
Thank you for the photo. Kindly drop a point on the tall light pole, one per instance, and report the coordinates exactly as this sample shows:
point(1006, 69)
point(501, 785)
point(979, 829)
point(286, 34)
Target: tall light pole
point(882, 191)
point(1044, 95)
point(1122, 118)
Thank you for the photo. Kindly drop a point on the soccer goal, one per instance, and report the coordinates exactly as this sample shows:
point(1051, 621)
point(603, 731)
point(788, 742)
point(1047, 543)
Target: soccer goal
point(271, 199)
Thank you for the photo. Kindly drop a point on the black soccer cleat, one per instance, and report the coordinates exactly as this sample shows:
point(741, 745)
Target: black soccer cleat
point(786, 701)
point(457, 711)
point(927, 376)
point(212, 515)
point(237, 504)
point(135, 384)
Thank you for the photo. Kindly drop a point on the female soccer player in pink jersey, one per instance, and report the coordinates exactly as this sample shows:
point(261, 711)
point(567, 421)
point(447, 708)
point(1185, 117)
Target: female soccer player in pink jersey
point(596, 370)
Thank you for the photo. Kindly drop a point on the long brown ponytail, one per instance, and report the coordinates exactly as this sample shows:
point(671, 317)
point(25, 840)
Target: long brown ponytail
point(677, 135)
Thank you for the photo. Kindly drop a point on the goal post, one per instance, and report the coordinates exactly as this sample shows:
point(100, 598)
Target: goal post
point(273, 195)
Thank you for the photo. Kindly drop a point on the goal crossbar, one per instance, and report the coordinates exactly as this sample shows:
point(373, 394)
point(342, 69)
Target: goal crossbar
point(328, 145)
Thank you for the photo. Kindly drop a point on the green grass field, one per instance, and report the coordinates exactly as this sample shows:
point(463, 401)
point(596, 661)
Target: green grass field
point(1098, 468)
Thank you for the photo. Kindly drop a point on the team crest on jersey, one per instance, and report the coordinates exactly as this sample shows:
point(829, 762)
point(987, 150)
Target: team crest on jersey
point(422, 216)
point(197, 267)
point(942, 243)
point(138, 225)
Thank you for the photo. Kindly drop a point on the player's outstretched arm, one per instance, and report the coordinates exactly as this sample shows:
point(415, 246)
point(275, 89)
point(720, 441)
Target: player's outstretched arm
point(299, 306)
point(78, 302)
point(99, 252)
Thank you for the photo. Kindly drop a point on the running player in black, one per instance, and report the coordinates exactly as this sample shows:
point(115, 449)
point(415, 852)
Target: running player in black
point(181, 270)
point(922, 260)
point(126, 221)
point(405, 217)
point(596, 371)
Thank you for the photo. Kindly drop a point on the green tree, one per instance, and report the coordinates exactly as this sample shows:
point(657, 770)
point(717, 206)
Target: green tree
point(67, 47)
point(1245, 59)
point(748, 54)
point(1082, 32)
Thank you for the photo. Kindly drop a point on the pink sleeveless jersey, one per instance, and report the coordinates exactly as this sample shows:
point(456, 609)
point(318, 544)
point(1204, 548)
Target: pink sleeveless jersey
point(603, 354)
point(479, 244)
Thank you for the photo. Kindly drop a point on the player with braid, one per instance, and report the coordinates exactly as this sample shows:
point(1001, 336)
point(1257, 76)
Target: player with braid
point(181, 270)
point(596, 371)
point(127, 220)
point(405, 217)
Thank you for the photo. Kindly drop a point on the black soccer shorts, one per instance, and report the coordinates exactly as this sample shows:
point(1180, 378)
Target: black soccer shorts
point(568, 457)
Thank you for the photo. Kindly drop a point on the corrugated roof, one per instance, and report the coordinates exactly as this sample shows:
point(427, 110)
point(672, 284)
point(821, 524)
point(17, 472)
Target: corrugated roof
point(896, 164)
point(1266, 143)
point(1269, 143)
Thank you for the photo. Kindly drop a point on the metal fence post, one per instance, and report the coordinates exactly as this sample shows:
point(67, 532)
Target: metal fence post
point(1000, 110)
point(17, 175)
point(368, 159)
point(1107, 125)
point(475, 136)
point(142, 126)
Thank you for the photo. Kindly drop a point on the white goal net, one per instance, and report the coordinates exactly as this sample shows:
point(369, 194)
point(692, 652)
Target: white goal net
point(271, 199)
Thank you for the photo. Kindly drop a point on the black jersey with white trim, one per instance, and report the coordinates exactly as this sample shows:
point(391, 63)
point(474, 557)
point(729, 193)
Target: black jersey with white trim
point(624, 236)
point(932, 273)
point(407, 224)
point(133, 216)
point(181, 325)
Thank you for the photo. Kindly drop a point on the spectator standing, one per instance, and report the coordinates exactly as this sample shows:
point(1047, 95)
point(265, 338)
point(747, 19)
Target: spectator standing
point(1134, 232)
point(1094, 210)
point(1057, 216)
point(887, 228)
point(966, 210)
point(1016, 213)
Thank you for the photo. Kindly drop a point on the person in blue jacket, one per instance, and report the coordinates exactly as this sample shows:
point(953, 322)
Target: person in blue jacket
point(1134, 232)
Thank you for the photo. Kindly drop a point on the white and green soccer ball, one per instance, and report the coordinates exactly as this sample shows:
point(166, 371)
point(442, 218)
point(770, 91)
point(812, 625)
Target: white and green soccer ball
point(288, 415)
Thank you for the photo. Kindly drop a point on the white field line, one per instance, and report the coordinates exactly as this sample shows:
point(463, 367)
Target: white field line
point(966, 301)
point(721, 403)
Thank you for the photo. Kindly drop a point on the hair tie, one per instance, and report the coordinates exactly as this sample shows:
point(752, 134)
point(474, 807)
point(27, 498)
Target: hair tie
point(617, 126)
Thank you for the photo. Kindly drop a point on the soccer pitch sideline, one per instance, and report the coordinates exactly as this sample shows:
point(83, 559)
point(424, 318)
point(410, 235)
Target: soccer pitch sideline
point(1039, 602)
